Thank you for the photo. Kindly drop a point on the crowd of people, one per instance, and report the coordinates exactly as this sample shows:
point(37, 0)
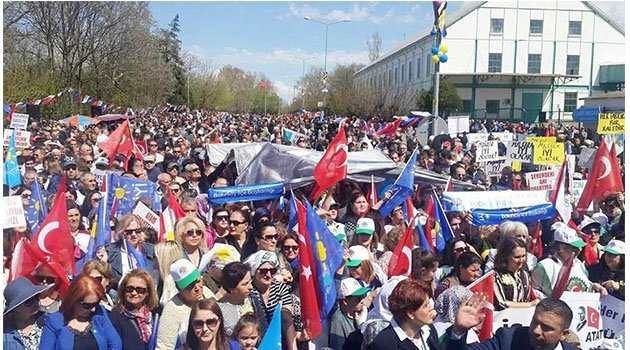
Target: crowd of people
point(217, 284)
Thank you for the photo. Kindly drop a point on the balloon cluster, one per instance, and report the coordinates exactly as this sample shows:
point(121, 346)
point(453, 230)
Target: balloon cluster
point(439, 54)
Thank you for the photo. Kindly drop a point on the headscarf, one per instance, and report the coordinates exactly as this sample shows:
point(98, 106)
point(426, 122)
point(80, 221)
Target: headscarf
point(449, 301)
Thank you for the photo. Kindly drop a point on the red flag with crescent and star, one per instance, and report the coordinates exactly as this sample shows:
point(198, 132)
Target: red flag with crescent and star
point(400, 263)
point(52, 246)
point(604, 178)
point(333, 167)
point(119, 142)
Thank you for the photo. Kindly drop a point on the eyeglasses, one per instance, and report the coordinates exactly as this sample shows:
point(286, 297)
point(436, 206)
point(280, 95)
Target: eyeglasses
point(137, 231)
point(139, 290)
point(45, 280)
point(210, 323)
point(194, 170)
point(26, 195)
point(270, 238)
point(236, 222)
point(461, 249)
point(221, 218)
point(291, 247)
point(175, 190)
point(88, 306)
point(264, 272)
point(71, 168)
point(98, 278)
point(194, 232)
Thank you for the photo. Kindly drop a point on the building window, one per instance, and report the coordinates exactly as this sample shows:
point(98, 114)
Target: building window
point(396, 75)
point(492, 106)
point(575, 27)
point(535, 26)
point(418, 66)
point(430, 65)
point(570, 101)
point(533, 63)
point(402, 73)
point(494, 63)
point(573, 64)
point(410, 70)
point(390, 76)
point(496, 26)
point(467, 106)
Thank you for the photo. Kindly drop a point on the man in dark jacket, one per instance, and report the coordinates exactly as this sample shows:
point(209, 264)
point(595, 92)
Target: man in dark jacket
point(548, 328)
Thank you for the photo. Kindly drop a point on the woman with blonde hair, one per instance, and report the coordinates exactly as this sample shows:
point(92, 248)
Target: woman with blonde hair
point(134, 316)
point(190, 234)
point(166, 253)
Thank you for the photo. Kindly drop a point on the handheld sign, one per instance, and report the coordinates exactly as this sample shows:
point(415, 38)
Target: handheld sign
point(548, 153)
point(19, 121)
point(520, 151)
point(611, 123)
point(487, 151)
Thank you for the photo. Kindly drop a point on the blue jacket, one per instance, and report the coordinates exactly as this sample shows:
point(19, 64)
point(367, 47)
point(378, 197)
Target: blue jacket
point(12, 341)
point(506, 338)
point(57, 336)
point(114, 258)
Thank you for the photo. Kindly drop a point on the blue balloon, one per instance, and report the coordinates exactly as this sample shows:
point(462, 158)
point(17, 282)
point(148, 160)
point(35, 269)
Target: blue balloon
point(443, 58)
point(434, 50)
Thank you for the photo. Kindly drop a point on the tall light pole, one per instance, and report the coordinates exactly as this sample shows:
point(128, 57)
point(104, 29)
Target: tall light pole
point(325, 75)
point(304, 59)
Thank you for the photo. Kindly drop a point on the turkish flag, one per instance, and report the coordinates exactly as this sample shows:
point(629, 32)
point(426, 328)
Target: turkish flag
point(400, 263)
point(430, 224)
point(169, 216)
point(604, 178)
point(485, 285)
point(537, 244)
point(310, 304)
point(119, 142)
point(52, 246)
point(262, 86)
point(372, 195)
point(333, 167)
point(141, 146)
point(592, 315)
point(390, 129)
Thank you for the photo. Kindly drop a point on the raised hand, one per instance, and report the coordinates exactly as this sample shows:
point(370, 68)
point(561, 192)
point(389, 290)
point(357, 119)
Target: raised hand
point(468, 314)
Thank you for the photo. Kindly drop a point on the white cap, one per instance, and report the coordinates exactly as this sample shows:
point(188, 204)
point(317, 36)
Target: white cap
point(586, 222)
point(601, 218)
point(564, 234)
point(184, 273)
point(365, 226)
point(219, 256)
point(351, 287)
point(358, 254)
point(615, 247)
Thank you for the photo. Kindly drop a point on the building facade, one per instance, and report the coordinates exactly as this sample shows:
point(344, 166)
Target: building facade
point(513, 60)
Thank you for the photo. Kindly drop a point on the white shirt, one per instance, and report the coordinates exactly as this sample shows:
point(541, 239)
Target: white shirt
point(422, 343)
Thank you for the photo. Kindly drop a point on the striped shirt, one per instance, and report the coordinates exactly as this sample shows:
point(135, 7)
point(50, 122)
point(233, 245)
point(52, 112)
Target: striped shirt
point(278, 292)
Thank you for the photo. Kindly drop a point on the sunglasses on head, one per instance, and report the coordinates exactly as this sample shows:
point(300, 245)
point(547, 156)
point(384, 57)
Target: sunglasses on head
point(194, 232)
point(88, 306)
point(139, 290)
point(210, 323)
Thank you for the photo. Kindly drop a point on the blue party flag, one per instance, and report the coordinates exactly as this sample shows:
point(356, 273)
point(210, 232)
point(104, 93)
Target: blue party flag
point(123, 193)
point(12, 175)
point(402, 188)
point(273, 336)
point(37, 210)
point(444, 231)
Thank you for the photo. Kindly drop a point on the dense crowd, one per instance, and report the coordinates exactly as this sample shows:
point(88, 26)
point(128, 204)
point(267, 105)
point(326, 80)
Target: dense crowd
point(217, 284)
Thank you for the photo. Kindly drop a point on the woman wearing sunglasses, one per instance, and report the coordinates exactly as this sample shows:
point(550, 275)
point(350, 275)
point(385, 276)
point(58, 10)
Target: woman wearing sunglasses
point(81, 323)
point(206, 329)
point(22, 326)
point(119, 256)
point(133, 316)
point(220, 226)
point(101, 272)
point(190, 234)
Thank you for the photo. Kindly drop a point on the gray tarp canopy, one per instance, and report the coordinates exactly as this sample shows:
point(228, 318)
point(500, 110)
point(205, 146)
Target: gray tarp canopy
point(258, 163)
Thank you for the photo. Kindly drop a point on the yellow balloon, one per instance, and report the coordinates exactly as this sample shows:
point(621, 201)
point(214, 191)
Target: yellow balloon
point(435, 59)
point(443, 48)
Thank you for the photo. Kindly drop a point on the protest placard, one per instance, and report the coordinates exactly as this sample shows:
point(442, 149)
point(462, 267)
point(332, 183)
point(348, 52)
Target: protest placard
point(578, 188)
point(494, 167)
point(540, 180)
point(147, 215)
point(458, 124)
point(19, 121)
point(537, 139)
point(464, 201)
point(613, 316)
point(476, 137)
point(504, 137)
point(512, 317)
point(587, 320)
point(586, 157)
point(520, 151)
point(548, 153)
point(22, 138)
point(487, 151)
point(611, 123)
point(13, 212)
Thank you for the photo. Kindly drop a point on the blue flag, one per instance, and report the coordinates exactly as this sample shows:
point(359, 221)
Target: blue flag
point(273, 336)
point(123, 193)
point(37, 210)
point(402, 188)
point(12, 175)
point(328, 254)
point(444, 231)
point(423, 238)
point(141, 262)
point(483, 217)
point(293, 218)
point(245, 193)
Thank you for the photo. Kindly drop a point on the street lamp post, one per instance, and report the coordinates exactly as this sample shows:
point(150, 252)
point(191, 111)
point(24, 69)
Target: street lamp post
point(304, 59)
point(325, 75)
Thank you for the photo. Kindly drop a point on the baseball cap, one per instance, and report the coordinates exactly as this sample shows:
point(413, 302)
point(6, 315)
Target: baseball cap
point(358, 254)
point(184, 273)
point(365, 226)
point(601, 218)
point(149, 158)
point(172, 164)
point(338, 232)
point(219, 256)
point(615, 247)
point(586, 222)
point(69, 163)
point(101, 161)
point(564, 234)
point(350, 287)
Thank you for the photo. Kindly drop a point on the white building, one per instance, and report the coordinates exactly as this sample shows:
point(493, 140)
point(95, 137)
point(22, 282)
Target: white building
point(513, 59)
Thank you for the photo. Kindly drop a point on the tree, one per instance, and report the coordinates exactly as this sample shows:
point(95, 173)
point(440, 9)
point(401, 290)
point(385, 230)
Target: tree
point(343, 91)
point(374, 46)
point(449, 99)
point(170, 46)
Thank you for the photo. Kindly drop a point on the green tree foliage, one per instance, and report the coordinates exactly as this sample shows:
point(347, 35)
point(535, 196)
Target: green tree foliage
point(343, 96)
point(449, 99)
point(170, 47)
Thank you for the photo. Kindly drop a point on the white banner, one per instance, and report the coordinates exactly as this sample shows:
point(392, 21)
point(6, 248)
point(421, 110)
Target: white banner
point(459, 201)
point(458, 124)
point(512, 317)
point(476, 137)
point(541, 180)
point(22, 138)
point(587, 321)
point(505, 137)
point(19, 121)
point(13, 212)
point(147, 215)
point(613, 316)
point(519, 151)
point(487, 151)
